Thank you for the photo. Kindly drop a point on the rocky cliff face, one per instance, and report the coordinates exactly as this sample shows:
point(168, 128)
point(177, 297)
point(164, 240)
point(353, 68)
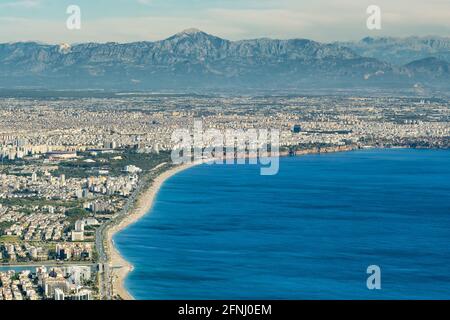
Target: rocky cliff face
point(194, 59)
point(401, 51)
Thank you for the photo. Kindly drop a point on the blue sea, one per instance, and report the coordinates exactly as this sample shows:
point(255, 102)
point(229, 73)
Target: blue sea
point(310, 232)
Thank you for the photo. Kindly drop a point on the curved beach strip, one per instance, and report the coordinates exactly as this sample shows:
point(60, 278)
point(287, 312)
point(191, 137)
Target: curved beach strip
point(121, 267)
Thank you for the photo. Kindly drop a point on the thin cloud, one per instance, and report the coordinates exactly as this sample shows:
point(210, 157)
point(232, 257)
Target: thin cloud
point(321, 20)
point(21, 4)
point(145, 2)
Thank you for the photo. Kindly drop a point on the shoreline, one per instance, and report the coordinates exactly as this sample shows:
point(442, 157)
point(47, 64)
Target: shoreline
point(120, 268)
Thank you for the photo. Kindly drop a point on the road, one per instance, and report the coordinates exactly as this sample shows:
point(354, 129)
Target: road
point(105, 278)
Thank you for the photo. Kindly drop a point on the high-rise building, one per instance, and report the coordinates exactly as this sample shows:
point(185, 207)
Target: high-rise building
point(83, 294)
point(59, 294)
point(50, 284)
point(79, 226)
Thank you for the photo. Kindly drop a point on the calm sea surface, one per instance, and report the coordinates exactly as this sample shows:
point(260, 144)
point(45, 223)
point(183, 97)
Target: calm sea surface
point(310, 232)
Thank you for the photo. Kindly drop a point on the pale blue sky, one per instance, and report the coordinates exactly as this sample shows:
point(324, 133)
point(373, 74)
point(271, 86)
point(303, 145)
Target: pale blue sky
point(137, 20)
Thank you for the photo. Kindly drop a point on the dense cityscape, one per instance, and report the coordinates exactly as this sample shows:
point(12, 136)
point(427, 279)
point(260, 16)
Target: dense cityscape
point(73, 167)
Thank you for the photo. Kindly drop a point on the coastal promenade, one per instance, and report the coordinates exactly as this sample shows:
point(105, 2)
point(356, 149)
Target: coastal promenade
point(259, 237)
point(105, 277)
point(119, 267)
point(115, 267)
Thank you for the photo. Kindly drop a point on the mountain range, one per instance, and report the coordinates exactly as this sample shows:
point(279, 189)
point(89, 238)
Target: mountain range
point(195, 59)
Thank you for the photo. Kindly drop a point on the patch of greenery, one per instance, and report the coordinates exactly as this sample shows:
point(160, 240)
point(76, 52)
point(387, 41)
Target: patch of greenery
point(75, 214)
point(82, 169)
point(145, 161)
point(10, 239)
point(4, 226)
point(36, 201)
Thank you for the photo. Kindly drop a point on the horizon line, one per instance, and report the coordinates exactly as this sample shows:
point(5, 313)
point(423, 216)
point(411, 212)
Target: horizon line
point(191, 31)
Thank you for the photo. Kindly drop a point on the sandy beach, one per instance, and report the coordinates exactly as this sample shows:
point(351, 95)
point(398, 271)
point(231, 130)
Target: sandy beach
point(119, 266)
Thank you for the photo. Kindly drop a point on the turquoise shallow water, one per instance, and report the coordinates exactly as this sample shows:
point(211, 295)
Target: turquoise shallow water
point(310, 232)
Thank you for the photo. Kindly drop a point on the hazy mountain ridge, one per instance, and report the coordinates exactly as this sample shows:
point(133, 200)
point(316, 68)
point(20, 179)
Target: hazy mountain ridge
point(401, 51)
point(193, 58)
point(432, 67)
